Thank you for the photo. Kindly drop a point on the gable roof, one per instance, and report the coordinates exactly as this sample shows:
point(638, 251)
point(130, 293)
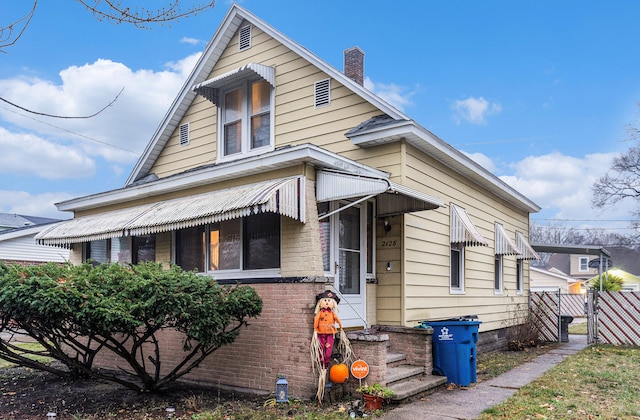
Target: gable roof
point(398, 125)
point(207, 62)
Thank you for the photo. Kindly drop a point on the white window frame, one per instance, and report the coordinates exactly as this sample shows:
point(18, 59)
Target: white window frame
point(586, 263)
point(498, 274)
point(238, 273)
point(457, 290)
point(519, 276)
point(245, 143)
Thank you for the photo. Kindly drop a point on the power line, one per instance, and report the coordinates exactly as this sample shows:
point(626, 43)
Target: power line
point(72, 132)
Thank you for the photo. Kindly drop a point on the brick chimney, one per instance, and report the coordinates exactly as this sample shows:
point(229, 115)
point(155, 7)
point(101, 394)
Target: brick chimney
point(354, 64)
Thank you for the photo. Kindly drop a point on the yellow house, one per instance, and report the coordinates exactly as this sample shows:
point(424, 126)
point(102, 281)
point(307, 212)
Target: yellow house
point(274, 169)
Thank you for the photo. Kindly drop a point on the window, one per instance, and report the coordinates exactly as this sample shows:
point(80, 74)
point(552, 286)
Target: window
point(583, 264)
point(497, 279)
point(519, 279)
point(457, 268)
point(250, 243)
point(98, 251)
point(190, 247)
point(144, 248)
point(108, 250)
point(246, 119)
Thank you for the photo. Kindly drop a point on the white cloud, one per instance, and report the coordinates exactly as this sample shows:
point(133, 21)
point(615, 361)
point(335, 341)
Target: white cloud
point(22, 202)
point(191, 41)
point(474, 110)
point(398, 96)
point(562, 184)
point(118, 134)
point(482, 160)
point(28, 154)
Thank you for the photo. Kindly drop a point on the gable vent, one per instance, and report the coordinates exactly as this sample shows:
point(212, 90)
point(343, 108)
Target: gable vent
point(321, 93)
point(244, 42)
point(184, 134)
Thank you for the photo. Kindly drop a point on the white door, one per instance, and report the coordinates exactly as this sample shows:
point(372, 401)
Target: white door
point(350, 266)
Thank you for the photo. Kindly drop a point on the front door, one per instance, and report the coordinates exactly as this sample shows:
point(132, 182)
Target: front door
point(343, 237)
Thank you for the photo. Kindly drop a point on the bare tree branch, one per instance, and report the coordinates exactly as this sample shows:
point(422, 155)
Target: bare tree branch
point(10, 34)
point(117, 12)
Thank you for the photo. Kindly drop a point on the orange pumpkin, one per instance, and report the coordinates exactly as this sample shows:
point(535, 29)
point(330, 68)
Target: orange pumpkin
point(339, 373)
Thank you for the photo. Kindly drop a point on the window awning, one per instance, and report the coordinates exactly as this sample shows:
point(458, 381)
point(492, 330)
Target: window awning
point(284, 196)
point(391, 198)
point(210, 88)
point(462, 229)
point(527, 251)
point(504, 245)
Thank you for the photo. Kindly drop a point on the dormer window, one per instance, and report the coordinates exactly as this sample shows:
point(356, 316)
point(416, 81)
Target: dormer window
point(246, 118)
point(244, 98)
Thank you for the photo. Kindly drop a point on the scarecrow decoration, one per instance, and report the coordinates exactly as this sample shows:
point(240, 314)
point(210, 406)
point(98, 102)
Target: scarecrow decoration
point(324, 331)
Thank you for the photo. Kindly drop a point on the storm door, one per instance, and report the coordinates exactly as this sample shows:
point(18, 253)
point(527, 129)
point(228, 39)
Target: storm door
point(343, 240)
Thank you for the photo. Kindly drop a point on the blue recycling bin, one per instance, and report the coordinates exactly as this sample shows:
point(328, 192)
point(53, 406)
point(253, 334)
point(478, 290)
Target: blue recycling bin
point(454, 349)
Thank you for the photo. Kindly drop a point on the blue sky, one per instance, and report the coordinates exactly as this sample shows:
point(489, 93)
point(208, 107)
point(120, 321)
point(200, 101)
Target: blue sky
point(540, 93)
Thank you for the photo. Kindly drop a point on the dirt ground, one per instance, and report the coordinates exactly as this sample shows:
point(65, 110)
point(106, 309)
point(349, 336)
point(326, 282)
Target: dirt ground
point(30, 394)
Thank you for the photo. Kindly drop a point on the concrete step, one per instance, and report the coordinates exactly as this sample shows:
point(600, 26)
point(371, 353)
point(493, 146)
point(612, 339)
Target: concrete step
point(395, 357)
point(401, 372)
point(416, 387)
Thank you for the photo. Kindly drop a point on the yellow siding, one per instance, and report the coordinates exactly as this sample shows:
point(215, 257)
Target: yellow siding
point(426, 251)
point(296, 119)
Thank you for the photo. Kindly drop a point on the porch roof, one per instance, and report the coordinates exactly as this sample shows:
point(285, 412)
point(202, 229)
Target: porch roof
point(283, 196)
point(391, 198)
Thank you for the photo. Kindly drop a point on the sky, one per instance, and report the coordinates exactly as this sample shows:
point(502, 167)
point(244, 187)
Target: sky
point(539, 93)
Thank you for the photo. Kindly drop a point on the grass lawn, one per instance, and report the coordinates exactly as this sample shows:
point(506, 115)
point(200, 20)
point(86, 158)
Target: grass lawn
point(27, 347)
point(578, 328)
point(599, 382)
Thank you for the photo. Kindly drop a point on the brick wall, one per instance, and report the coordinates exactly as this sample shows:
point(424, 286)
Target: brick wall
point(301, 249)
point(276, 342)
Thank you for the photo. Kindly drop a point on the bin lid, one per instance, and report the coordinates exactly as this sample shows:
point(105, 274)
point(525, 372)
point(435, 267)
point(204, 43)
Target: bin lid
point(453, 321)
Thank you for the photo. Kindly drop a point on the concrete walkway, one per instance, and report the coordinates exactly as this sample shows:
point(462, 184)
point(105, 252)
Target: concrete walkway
point(470, 402)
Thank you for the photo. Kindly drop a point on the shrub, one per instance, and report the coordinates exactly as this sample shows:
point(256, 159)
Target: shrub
point(77, 311)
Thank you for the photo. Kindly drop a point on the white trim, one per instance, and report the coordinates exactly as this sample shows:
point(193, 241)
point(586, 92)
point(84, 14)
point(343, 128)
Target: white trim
point(277, 159)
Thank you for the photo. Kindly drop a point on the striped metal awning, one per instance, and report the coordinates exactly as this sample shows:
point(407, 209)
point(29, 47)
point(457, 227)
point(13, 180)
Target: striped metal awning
point(462, 229)
point(210, 89)
point(391, 198)
point(527, 251)
point(504, 245)
point(284, 196)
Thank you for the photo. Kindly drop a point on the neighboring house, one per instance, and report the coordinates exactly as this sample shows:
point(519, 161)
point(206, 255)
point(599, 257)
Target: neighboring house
point(585, 266)
point(14, 221)
point(630, 283)
point(541, 280)
point(18, 244)
point(276, 170)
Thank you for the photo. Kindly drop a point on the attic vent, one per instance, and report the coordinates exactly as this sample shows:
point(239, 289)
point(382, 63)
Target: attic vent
point(184, 134)
point(321, 93)
point(244, 42)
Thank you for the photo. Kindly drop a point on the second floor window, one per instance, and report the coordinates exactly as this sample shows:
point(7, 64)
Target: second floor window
point(246, 119)
point(583, 264)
